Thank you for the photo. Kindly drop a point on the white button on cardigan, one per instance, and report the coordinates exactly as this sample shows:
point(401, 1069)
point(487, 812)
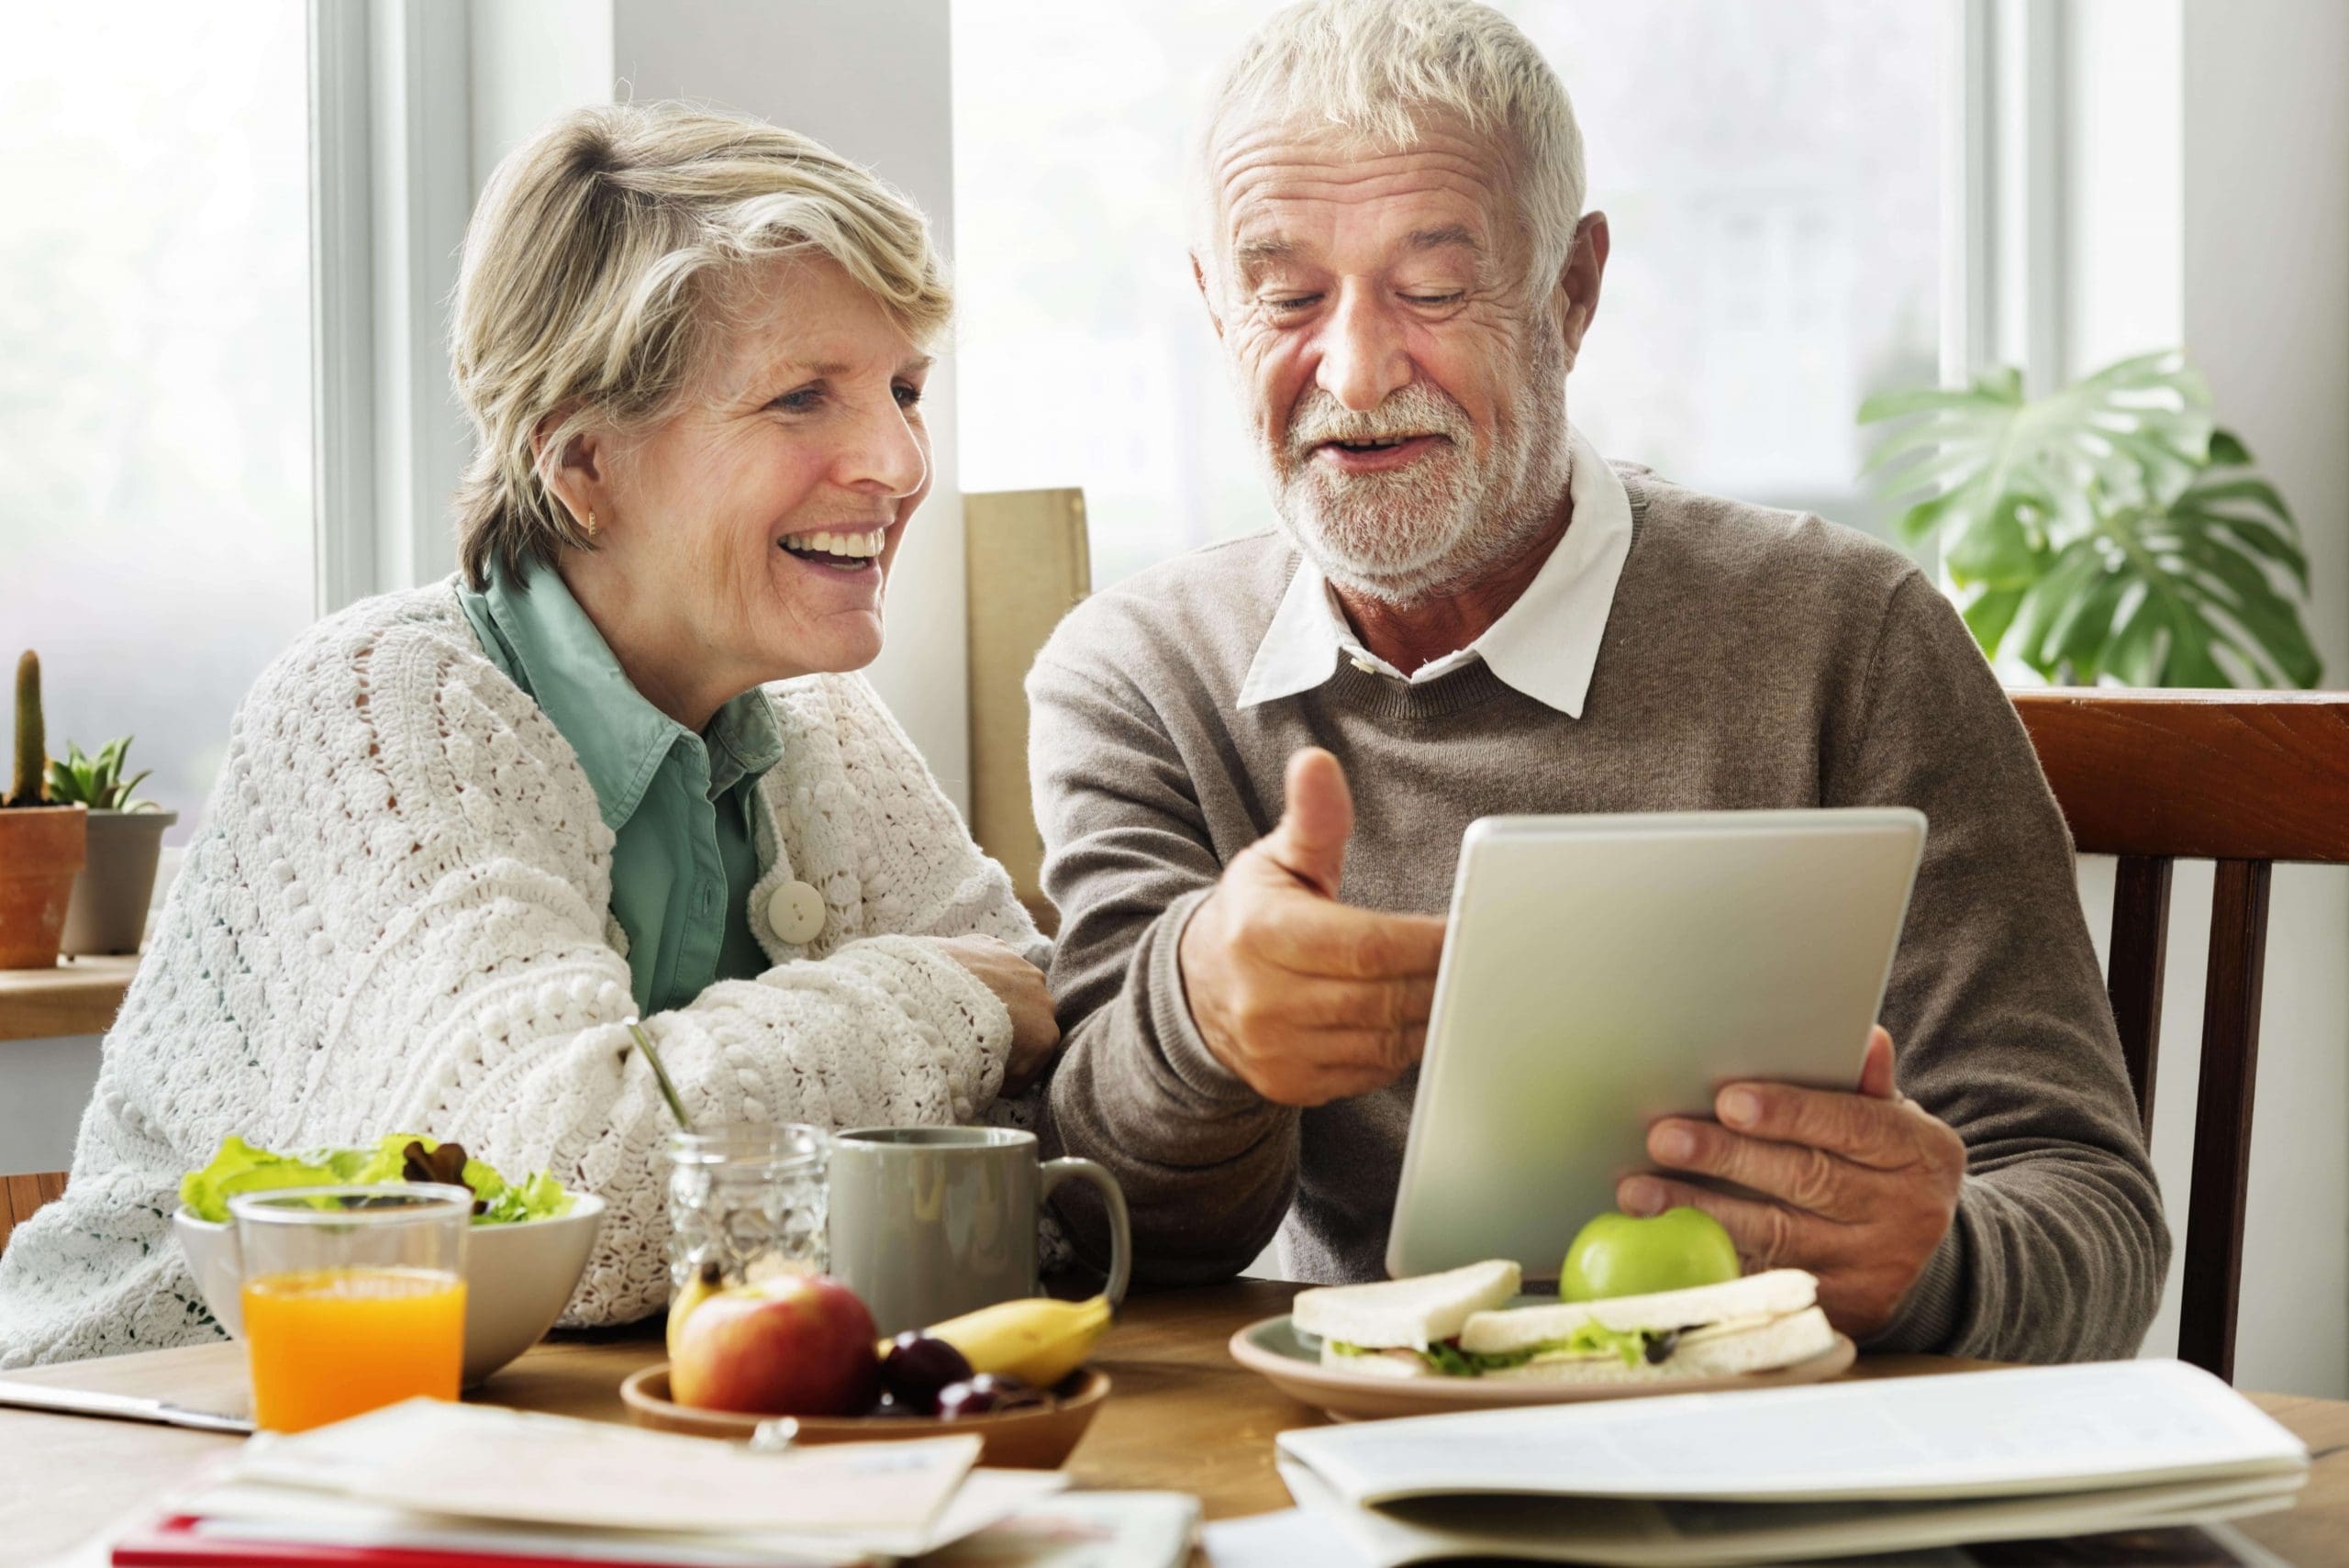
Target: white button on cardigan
point(797, 912)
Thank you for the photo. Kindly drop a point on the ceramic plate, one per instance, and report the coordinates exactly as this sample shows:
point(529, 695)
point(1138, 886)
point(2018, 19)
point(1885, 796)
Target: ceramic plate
point(1037, 1438)
point(1293, 1363)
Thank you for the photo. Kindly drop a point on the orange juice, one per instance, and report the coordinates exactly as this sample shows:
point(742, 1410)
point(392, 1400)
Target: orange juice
point(327, 1343)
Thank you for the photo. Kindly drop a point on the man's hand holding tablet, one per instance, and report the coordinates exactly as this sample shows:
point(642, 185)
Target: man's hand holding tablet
point(1856, 1188)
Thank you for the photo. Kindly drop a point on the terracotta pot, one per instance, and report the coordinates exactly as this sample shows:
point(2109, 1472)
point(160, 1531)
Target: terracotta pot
point(42, 848)
point(110, 897)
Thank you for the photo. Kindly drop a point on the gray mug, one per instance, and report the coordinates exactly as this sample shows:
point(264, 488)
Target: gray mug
point(927, 1223)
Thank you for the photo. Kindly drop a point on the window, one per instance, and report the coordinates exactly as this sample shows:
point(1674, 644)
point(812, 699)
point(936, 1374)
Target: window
point(155, 513)
point(1772, 174)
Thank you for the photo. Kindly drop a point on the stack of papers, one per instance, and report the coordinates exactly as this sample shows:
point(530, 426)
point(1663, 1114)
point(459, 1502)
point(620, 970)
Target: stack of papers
point(427, 1484)
point(1835, 1470)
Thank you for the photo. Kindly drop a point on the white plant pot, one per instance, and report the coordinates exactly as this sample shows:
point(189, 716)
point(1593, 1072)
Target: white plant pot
point(108, 912)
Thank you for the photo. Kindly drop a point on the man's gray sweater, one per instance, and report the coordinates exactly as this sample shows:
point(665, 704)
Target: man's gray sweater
point(1752, 659)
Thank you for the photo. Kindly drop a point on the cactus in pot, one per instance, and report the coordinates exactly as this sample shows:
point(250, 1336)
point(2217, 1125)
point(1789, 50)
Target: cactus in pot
point(42, 846)
point(32, 749)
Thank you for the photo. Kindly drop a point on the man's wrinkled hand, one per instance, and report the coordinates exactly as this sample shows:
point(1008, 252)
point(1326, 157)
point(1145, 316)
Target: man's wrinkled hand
point(1306, 999)
point(1858, 1188)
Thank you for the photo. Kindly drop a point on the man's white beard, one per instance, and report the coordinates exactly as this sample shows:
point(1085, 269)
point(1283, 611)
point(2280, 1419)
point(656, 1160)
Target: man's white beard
point(1448, 519)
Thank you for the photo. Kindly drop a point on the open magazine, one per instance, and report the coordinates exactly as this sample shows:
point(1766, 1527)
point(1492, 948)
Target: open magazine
point(1299, 1538)
point(1637, 1533)
point(1836, 1470)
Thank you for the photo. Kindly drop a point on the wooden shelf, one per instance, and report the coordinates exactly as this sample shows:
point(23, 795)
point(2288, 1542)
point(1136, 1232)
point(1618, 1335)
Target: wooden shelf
point(79, 997)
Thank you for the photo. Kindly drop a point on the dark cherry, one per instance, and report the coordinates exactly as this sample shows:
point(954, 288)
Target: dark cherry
point(917, 1367)
point(890, 1408)
point(988, 1394)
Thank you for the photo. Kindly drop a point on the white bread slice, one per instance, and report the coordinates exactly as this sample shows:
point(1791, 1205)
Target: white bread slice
point(1774, 1293)
point(1404, 1314)
point(1781, 1342)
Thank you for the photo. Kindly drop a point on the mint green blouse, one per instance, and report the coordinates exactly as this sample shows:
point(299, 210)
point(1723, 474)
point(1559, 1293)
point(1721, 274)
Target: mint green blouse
point(679, 804)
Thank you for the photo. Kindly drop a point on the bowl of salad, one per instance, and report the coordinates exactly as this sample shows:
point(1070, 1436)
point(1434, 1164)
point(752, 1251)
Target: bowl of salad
point(529, 1244)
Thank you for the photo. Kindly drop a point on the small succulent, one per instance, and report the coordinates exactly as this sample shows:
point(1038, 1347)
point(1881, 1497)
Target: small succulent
point(32, 740)
point(96, 781)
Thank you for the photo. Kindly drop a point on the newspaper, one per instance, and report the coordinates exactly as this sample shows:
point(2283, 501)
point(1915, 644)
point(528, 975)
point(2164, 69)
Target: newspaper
point(2007, 1433)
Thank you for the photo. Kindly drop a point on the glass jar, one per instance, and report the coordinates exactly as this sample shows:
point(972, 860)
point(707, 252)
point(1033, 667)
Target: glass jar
point(748, 1196)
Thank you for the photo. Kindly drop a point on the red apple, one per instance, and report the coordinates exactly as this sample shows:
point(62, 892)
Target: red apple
point(785, 1347)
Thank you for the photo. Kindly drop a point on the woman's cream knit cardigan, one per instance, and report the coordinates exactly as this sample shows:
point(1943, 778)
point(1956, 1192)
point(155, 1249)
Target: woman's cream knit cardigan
point(395, 920)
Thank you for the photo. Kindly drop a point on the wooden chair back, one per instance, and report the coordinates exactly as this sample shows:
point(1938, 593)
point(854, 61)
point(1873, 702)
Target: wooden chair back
point(1027, 562)
point(2242, 779)
point(20, 1195)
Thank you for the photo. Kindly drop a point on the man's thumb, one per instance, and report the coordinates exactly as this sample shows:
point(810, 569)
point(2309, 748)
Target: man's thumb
point(1317, 820)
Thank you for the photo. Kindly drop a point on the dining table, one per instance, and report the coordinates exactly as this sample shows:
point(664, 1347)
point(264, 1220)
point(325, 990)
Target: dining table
point(1181, 1416)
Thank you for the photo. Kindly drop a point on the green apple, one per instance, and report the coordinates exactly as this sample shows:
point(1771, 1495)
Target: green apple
point(1617, 1255)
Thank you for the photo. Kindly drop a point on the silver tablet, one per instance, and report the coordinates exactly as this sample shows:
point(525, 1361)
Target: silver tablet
point(1601, 972)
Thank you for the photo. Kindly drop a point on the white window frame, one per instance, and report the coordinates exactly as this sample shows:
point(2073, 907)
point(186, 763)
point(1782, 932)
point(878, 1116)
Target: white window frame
point(391, 188)
point(2004, 265)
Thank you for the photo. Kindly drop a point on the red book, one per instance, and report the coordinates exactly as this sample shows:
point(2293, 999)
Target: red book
point(178, 1540)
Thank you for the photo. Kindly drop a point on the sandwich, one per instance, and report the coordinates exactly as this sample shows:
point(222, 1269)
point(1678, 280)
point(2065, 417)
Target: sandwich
point(1395, 1326)
point(1759, 1323)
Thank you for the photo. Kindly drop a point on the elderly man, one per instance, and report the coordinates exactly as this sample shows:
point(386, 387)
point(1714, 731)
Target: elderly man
point(1252, 765)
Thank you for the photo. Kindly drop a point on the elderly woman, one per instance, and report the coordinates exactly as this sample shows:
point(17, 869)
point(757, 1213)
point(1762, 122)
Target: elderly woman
point(620, 766)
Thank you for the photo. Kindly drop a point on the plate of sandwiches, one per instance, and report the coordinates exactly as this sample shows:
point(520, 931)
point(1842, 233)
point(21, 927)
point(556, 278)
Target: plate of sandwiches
point(1467, 1339)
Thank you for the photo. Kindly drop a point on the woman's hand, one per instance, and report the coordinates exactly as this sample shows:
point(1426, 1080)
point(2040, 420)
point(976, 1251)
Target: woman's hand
point(1019, 987)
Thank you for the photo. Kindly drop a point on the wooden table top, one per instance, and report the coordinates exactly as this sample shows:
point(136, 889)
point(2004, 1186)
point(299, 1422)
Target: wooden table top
point(1182, 1417)
point(79, 995)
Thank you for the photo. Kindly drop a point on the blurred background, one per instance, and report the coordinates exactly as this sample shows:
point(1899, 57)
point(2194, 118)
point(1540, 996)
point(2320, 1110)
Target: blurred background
point(224, 404)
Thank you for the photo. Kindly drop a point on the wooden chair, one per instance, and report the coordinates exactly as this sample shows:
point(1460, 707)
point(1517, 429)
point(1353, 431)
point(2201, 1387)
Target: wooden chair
point(1027, 562)
point(2243, 779)
point(20, 1195)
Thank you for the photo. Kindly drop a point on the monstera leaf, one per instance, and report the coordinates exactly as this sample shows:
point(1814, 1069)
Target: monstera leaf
point(2108, 527)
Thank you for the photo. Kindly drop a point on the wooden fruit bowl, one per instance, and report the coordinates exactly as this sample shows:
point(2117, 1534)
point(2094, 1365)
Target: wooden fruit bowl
point(1039, 1437)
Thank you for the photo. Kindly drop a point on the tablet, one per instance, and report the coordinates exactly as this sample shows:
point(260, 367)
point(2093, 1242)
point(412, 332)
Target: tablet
point(1602, 972)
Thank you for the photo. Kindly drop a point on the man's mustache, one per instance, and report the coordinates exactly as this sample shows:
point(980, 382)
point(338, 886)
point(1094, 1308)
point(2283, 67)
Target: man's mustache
point(1416, 410)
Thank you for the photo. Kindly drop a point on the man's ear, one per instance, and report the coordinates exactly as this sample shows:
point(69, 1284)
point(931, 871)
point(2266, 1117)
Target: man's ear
point(580, 474)
point(1199, 276)
point(1579, 282)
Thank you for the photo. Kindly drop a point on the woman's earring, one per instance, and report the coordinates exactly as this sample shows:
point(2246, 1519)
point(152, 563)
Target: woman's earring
point(591, 522)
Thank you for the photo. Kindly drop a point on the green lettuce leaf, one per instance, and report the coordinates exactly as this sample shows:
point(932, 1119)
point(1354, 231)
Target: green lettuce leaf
point(540, 1198)
point(1587, 1339)
point(239, 1167)
point(385, 1162)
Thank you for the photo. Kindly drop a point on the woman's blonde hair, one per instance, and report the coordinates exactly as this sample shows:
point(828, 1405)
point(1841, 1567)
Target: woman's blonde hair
point(595, 276)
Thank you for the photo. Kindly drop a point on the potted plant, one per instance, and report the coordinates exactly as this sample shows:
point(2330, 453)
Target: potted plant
point(42, 846)
point(108, 913)
point(2107, 528)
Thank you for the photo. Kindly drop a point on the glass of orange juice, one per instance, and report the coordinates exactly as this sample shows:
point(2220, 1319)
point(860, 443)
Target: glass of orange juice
point(355, 1297)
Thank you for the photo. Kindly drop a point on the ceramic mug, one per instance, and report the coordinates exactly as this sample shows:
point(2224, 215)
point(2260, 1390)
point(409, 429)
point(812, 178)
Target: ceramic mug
point(927, 1223)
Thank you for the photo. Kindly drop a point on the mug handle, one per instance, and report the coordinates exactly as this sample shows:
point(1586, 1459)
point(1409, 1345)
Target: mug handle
point(1122, 1241)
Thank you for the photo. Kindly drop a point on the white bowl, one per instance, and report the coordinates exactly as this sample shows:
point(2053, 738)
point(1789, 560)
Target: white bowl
point(518, 1278)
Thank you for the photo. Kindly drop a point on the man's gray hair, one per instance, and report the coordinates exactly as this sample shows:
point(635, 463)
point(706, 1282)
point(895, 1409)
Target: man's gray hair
point(1377, 70)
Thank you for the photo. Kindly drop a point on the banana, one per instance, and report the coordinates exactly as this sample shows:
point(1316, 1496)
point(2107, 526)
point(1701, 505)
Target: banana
point(1038, 1340)
point(696, 1290)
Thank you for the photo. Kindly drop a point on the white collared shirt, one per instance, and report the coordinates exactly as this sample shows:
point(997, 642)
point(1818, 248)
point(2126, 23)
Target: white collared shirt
point(1545, 645)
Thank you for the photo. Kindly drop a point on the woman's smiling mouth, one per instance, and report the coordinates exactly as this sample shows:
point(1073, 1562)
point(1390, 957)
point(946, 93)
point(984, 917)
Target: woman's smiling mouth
point(842, 549)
